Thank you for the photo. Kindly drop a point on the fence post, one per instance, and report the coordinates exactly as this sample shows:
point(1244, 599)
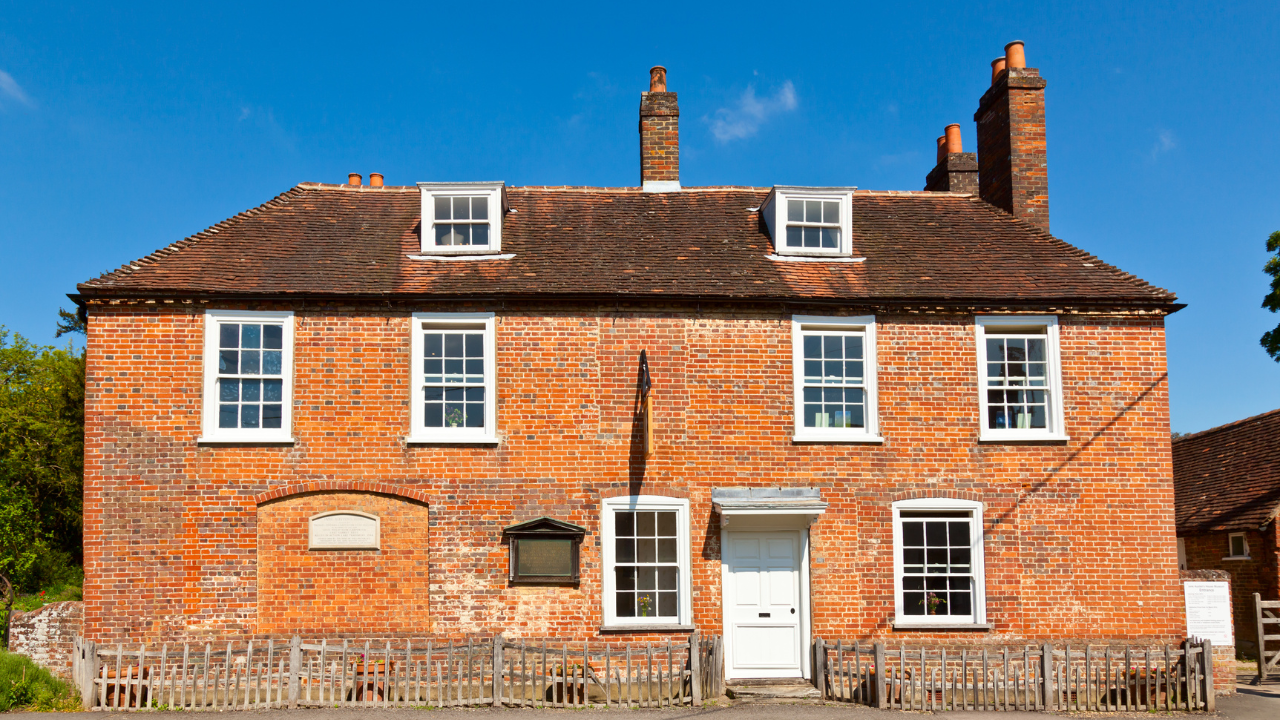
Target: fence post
point(1209, 703)
point(1262, 642)
point(695, 668)
point(496, 692)
point(881, 695)
point(1046, 676)
point(88, 671)
point(295, 668)
point(819, 672)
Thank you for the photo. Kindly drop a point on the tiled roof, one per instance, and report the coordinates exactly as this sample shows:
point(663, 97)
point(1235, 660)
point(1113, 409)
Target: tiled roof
point(696, 243)
point(1228, 478)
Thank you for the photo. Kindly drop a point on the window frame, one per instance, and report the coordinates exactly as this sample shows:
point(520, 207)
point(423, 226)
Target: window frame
point(422, 435)
point(1055, 416)
point(684, 575)
point(865, 324)
point(1244, 541)
point(496, 194)
point(977, 556)
point(210, 432)
point(775, 214)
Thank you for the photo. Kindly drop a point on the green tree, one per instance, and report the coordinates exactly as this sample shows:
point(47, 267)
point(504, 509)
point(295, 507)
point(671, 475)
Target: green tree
point(41, 460)
point(1271, 338)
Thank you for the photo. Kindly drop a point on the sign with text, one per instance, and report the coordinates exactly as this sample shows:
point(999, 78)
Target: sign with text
point(345, 530)
point(1209, 612)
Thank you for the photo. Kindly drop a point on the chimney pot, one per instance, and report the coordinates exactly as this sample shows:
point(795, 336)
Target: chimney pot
point(1016, 55)
point(353, 179)
point(657, 79)
point(997, 67)
point(953, 139)
point(375, 179)
point(942, 148)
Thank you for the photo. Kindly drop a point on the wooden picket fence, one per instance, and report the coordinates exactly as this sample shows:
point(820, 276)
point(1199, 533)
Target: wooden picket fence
point(1088, 679)
point(1268, 660)
point(252, 675)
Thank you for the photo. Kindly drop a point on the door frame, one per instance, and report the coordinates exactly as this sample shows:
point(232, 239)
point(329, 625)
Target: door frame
point(766, 523)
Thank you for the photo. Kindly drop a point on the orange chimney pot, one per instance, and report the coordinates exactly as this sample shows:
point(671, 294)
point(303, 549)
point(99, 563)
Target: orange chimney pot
point(353, 179)
point(1015, 52)
point(997, 67)
point(953, 138)
point(657, 79)
point(942, 148)
point(375, 179)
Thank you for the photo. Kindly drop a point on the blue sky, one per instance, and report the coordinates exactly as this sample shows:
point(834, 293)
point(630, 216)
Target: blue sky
point(123, 129)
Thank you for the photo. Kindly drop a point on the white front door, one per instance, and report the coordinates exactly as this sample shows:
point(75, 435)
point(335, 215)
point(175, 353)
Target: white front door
point(762, 606)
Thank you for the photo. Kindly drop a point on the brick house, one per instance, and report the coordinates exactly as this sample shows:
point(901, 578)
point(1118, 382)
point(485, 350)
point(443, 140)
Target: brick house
point(1227, 491)
point(351, 411)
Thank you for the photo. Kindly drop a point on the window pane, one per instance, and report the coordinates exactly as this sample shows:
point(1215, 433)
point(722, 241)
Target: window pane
point(442, 208)
point(228, 390)
point(248, 416)
point(811, 414)
point(251, 336)
point(625, 523)
point(913, 534)
point(830, 212)
point(480, 208)
point(667, 578)
point(667, 524)
point(227, 416)
point(272, 337)
point(935, 533)
point(624, 550)
point(479, 234)
point(462, 208)
point(645, 524)
point(272, 362)
point(625, 578)
point(228, 362)
point(474, 345)
point(271, 416)
point(434, 415)
point(832, 347)
point(475, 415)
point(813, 370)
point(646, 550)
point(961, 603)
point(812, 237)
point(795, 211)
point(273, 390)
point(1035, 350)
point(813, 211)
point(795, 236)
point(853, 347)
point(667, 550)
point(959, 534)
point(913, 603)
point(667, 604)
point(995, 418)
point(251, 390)
point(229, 335)
point(995, 350)
point(250, 361)
point(475, 394)
point(830, 238)
point(813, 347)
point(626, 604)
point(444, 234)
point(1017, 349)
point(646, 578)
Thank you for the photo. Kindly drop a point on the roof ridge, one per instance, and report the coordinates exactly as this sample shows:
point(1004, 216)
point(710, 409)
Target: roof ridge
point(1228, 426)
point(1085, 255)
point(179, 245)
point(357, 188)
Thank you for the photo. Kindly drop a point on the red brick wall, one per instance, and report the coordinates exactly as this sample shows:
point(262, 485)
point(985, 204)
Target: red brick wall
point(1079, 535)
point(1013, 170)
point(1255, 575)
point(659, 137)
point(47, 635)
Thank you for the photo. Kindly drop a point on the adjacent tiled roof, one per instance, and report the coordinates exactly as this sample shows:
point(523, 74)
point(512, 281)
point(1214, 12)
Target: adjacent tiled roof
point(700, 242)
point(1228, 478)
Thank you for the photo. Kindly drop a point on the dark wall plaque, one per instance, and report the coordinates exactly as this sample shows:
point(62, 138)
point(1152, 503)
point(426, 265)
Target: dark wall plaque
point(544, 551)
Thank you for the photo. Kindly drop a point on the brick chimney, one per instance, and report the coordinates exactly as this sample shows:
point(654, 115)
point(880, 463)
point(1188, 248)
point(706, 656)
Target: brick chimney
point(659, 135)
point(1013, 172)
point(957, 170)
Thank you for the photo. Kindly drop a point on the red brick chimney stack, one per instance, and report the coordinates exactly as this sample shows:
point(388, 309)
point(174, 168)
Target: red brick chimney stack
point(659, 135)
point(1013, 170)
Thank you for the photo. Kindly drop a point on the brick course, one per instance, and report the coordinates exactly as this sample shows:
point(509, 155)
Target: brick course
point(180, 538)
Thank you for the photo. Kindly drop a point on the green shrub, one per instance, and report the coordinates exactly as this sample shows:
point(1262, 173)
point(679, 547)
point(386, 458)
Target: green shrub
point(25, 685)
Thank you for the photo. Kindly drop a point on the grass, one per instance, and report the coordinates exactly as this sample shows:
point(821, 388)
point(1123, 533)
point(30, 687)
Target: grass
point(27, 686)
point(70, 588)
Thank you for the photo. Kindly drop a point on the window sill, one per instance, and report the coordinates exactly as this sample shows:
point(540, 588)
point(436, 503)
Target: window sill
point(834, 439)
point(281, 441)
point(781, 257)
point(987, 437)
point(1238, 557)
point(444, 440)
point(652, 627)
point(459, 257)
point(974, 627)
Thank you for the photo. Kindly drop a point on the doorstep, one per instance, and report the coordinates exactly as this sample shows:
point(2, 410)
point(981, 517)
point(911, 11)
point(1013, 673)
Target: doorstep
point(772, 690)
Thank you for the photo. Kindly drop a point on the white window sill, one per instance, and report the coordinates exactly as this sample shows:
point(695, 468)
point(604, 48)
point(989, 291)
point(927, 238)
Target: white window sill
point(1030, 436)
point(1238, 557)
point(647, 627)
point(458, 257)
point(815, 258)
point(820, 437)
point(246, 440)
point(899, 626)
point(452, 440)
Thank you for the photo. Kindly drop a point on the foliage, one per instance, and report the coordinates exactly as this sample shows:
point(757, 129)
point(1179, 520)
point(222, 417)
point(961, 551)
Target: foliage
point(25, 685)
point(67, 584)
point(41, 461)
point(71, 323)
point(1271, 338)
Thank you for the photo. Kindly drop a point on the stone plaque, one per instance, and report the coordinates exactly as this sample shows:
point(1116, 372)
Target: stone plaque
point(1209, 612)
point(345, 530)
point(545, 557)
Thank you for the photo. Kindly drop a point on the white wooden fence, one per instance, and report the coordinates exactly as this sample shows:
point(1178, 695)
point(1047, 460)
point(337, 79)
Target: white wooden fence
point(251, 675)
point(1066, 678)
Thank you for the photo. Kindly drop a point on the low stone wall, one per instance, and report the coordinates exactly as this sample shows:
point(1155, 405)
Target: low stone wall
point(48, 635)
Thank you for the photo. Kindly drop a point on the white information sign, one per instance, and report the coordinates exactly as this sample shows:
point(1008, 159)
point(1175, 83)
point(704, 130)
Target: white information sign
point(345, 530)
point(1209, 612)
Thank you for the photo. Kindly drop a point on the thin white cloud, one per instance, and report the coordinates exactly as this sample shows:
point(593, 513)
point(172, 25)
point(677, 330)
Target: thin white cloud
point(11, 89)
point(1165, 142)
point(745, 118)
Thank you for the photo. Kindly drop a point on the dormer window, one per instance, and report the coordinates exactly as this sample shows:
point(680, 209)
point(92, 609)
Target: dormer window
point(809, 221)
point(462, 218)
